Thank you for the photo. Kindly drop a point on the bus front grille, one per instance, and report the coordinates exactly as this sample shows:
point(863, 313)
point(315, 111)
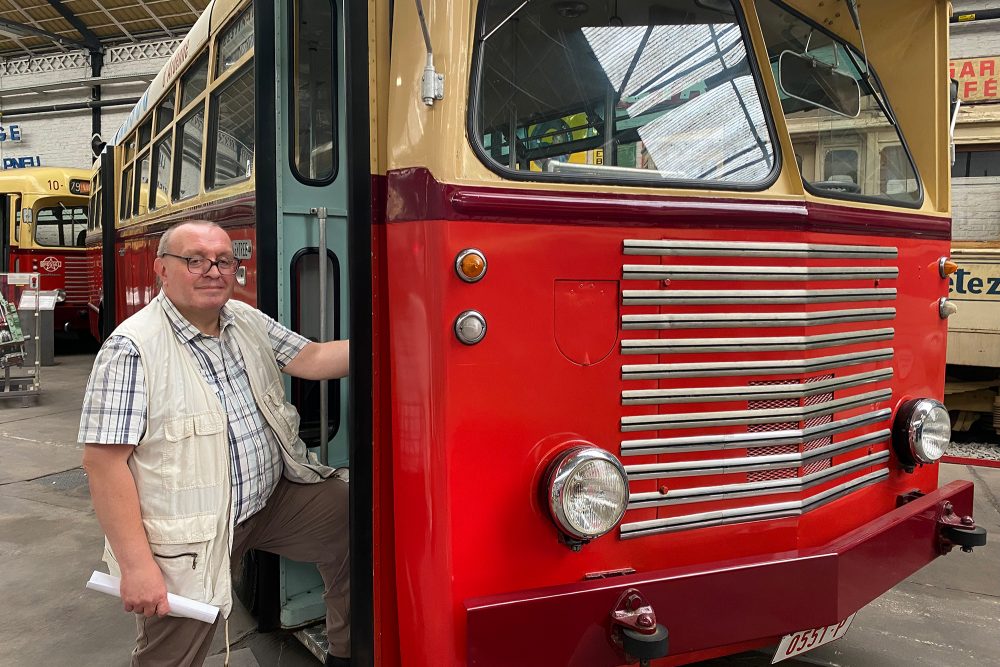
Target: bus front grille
point(757, 378)
point(77, 280)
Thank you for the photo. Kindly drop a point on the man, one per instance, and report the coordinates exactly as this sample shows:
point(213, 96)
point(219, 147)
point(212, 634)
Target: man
point(190, 443)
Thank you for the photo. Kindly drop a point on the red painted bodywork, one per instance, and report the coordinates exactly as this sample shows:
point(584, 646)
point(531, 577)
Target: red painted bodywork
point(59, 269)
point(733, 602)
point(473, 427)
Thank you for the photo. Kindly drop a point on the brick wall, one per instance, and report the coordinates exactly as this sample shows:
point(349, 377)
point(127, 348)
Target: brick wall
point(975, 206)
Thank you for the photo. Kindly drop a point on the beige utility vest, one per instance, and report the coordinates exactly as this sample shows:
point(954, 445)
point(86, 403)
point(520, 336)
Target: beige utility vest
point(181, 464)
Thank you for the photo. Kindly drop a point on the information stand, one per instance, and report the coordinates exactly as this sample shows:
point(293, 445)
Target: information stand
point(20, 377)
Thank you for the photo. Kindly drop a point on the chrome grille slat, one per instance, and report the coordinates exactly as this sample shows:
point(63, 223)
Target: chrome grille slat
point(758, 344)
point(751, 489)
point(756, 249)
point(718, 320)
point(762, 297)
point(759, 392)
point(661, 422)
point(702, 443)
point(788, 432)
point(750, 513)
point(753, 463)
point(755, 273)
point(772, 367)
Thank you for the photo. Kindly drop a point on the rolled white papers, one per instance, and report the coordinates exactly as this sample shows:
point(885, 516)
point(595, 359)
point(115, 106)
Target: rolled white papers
point(179, 606)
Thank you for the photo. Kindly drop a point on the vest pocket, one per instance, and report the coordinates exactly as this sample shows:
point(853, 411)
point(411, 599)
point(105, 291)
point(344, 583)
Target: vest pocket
point(183, 567)
point(191, 457)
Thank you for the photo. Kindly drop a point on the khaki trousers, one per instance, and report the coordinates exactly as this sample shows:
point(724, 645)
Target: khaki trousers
point(303, 522)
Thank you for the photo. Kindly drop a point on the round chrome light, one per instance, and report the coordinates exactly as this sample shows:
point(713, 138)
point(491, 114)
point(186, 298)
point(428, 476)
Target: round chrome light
point(921, 432)
point(470, 327)
point(587, 492)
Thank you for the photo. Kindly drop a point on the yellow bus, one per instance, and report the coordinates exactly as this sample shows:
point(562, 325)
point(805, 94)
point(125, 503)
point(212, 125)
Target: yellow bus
point(44, 213)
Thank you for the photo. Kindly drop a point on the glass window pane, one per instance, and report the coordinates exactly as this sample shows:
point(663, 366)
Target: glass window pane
point(145, 133)
point(141, 195)
point(828, 64)
point(841, 166)
point(314, 93)
point(194, 81)
point(961, 167)
point(161, 175)
point(165, 112)
point(234, 42)
point(984, 163)
point(126, 194)
point(650, 90)
point(232, 111)
point(61, 226)
point(189, 143)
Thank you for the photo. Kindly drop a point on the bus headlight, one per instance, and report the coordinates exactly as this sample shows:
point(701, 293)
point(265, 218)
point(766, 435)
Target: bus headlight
point(921, 432)
point(587, 492)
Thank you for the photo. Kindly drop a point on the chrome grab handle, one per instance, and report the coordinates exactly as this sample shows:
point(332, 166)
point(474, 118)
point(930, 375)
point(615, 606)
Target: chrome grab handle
point(324, 406)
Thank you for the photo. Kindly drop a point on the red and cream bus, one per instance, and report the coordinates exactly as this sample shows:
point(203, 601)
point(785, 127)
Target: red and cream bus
point(634, 376)
point(44, 213)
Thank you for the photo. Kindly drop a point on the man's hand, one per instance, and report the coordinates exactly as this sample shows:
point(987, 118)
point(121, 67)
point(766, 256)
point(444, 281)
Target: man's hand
point(116, 502)
point(143, 591)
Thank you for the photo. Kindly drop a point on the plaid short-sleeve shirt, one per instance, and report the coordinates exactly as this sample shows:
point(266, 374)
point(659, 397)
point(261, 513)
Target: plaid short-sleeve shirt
point(115, 402)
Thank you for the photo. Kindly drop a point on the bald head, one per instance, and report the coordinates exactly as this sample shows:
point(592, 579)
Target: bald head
point(166, 245)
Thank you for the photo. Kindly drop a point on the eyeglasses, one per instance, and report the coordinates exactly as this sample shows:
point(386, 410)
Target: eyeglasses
point(200, 265)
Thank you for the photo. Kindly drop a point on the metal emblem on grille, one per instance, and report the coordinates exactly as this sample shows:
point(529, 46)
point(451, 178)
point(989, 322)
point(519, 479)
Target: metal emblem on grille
point(50, 264)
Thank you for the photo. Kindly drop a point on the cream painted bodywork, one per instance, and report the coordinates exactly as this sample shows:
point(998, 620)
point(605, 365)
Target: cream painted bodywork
point(897, 32)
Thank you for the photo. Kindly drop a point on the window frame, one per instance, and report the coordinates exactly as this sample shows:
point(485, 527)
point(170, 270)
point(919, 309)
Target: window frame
point(176, 164)
point(871, 144)
point(474, 133)
point(243, 66)
point(293, 12)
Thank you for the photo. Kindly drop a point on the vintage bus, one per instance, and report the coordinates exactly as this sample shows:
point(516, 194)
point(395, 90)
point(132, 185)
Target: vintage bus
point(632, 379)
point(44, 213)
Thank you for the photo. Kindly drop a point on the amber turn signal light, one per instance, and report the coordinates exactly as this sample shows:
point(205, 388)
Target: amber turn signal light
point(470, 265)
point(946, 267)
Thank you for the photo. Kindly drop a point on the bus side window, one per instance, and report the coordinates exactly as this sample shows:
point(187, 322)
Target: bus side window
point(187, 168)
point(314, 101)
point(159, 188)
point(194, 81)
point(125, 210)
point(139, 206)
point(231, 140)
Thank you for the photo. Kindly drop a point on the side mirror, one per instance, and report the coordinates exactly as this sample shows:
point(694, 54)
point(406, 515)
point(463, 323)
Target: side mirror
point(810, 80)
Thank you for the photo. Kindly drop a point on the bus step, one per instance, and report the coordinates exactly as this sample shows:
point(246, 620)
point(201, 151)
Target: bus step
point(313, 637)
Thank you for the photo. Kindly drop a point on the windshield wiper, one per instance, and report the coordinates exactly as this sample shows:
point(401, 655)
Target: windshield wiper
point(872, 84)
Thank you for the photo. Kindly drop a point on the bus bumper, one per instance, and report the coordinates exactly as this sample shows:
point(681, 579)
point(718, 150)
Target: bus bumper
point(735, 602)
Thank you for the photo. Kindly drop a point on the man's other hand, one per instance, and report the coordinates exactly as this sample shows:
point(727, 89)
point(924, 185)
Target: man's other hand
point(143, 591)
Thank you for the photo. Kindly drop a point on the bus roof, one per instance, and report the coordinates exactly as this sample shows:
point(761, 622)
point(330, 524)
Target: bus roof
point(187, 50)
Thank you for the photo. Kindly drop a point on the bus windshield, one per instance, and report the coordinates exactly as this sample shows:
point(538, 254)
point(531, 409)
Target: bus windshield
point(61, 225)
point(650, 91)
point(860, 157)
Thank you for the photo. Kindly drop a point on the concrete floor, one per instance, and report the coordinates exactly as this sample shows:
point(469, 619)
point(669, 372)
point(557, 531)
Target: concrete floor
point(947, 615)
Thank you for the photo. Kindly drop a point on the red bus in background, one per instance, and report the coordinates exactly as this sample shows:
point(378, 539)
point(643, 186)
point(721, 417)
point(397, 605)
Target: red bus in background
point(44, 213)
